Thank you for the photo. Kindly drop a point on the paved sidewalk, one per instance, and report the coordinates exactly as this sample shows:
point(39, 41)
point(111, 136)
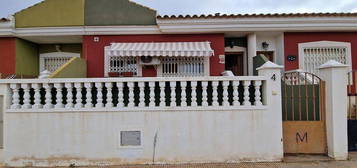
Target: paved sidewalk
point(301, 161)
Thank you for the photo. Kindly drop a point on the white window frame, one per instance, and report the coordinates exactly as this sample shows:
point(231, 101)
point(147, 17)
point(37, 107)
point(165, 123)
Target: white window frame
point(326, 44)
point(236, 49)
point(206, 64)
point(55, 55)
point(107, 64)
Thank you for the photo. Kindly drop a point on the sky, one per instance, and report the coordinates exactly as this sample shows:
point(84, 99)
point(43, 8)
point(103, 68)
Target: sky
point(184, 7)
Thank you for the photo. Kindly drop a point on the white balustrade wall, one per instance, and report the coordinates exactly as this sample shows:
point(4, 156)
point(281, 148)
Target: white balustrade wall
point(121, 93)
point(63, 122)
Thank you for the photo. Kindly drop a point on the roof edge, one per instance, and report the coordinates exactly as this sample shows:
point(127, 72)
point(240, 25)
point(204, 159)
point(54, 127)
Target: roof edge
point(268, 15)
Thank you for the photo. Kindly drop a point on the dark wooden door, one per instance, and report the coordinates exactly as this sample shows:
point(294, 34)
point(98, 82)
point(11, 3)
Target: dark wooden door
point(234, 62)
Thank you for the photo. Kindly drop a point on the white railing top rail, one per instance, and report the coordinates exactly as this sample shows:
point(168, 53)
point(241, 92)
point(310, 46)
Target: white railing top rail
point(133, 79)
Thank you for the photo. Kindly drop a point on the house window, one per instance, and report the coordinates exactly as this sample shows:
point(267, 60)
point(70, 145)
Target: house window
point(182, 66)
point(123, 65)
point(314, 54)
point(130, 138)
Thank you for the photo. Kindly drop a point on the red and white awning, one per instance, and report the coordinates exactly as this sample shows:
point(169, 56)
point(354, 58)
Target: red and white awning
point(169, 49)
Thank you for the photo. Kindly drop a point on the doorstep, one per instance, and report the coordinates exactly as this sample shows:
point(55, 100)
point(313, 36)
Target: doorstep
point(306, 158)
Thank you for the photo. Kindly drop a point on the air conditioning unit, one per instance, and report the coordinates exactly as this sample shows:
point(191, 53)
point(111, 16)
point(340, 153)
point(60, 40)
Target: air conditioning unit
point(149, 60)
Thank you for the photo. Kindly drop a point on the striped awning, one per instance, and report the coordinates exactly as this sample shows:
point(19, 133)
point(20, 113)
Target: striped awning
point(170, 49)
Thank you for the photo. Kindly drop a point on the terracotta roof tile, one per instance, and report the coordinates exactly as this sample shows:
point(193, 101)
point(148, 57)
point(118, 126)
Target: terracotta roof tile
point(4, 20)
point(218, 15)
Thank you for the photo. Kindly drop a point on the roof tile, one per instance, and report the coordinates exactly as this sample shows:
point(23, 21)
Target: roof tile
point(4, 20)
point(218, 15)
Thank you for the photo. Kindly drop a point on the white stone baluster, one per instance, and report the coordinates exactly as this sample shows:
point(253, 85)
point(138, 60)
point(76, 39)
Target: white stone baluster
point(141, 86)
point(162, 94)
point(69, 87)
point(37, 96)
point(258, 99)
point(59, 96)
point(225, 85)
point(204, 94)
point(183, 93)
point(215, 93)
point(194, 93)
point(15, 96)
point(236, 93)
point(79, 95)
point(99, 87)
point(246, 93)
point(26, 97)
point(120, 86)
point(48, 96)
point(88, 87)
point(109, 86)
point(131, 94)
point(152, 94)
point(173, 94)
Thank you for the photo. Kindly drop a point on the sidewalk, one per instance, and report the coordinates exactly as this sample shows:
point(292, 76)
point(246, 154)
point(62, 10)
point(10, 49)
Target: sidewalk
point(301, 161)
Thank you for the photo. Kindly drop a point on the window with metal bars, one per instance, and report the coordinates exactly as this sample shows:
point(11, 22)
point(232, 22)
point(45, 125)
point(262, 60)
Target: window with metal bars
point(182, 66)
point(123, 65)
point(316, 56)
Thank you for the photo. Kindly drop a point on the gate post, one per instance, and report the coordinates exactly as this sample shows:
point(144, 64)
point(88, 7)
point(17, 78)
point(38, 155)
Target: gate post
point(335, 76)
point(272, 98)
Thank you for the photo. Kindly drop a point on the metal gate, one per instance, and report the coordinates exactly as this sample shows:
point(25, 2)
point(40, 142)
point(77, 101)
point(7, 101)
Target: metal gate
point(304, 130)
point(352, 111)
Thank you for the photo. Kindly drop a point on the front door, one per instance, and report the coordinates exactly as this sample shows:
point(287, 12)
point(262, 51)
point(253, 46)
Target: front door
point(303, 114)
point(234, 63)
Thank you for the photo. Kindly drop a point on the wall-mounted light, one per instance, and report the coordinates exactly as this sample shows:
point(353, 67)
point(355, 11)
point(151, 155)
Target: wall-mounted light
point(231, 44)
point(265, 45)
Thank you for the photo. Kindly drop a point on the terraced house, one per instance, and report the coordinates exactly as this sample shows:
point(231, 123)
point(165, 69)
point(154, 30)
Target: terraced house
point(88, 82)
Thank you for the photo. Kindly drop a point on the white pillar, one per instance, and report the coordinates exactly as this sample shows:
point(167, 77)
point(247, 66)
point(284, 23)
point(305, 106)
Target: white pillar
point(335, 76)
point(272, 99)
point(252, 51)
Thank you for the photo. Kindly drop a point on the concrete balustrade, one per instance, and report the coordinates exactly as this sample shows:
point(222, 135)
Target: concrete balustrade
point(136, 93)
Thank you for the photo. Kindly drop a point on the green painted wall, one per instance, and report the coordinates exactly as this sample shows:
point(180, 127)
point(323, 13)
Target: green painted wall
point(52, 13)
point(49, 48)
point(75, 68)
point(258, 61)
point(117, 12)
point(27, 58)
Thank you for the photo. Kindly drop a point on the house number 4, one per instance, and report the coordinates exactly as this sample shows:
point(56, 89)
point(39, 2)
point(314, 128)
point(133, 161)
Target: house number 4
point(273, 77)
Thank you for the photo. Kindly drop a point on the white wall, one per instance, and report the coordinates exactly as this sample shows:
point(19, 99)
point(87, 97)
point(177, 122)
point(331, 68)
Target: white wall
point(59, 138)
point(48, 139)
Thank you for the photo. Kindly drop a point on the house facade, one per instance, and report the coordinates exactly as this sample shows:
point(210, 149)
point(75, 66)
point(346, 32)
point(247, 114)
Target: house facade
point(120, 84)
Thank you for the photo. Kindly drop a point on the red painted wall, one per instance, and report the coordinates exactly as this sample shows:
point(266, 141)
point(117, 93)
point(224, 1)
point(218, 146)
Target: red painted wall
point(291, 41)
point(7, 55)
point(149, 71)
point(94, 51)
